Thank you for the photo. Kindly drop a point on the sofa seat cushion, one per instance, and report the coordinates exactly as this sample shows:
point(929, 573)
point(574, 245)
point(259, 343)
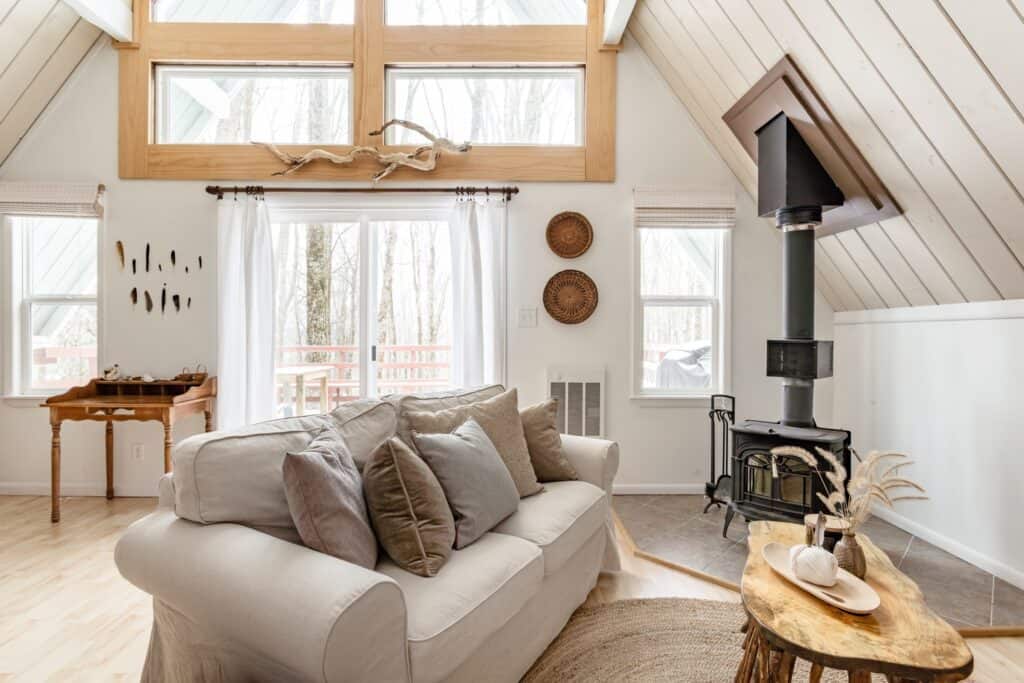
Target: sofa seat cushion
point(559, 520)
point(474, 595)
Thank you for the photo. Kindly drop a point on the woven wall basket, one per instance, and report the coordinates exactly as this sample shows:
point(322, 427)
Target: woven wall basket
point(570, 234)
point(570, 297)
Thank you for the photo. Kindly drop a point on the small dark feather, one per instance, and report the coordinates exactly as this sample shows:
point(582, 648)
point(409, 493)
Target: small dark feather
point(163, 299)
point(174, 258)
point(134, 267)
point(189, 304)
point(160, 267)
point(149, 302)
point(135, 295)
point(186, 270)
point(120, 252)
point(176, 299)
point(147, 257)
point(200, 263)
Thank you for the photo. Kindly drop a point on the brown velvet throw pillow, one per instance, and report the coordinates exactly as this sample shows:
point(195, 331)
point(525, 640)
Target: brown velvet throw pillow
point(545, 443)
point(499, 418)
point(412, 518)
point(325, 497)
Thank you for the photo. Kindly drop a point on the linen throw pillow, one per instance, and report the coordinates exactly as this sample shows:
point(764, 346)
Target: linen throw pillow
point(545, 443)
point(409, 511)
point(476, 482)
point(499, 418)
point(325, 497)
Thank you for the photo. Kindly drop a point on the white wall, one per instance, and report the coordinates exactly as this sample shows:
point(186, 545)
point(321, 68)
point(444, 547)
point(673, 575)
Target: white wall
point(663, 448)
point(943, 385)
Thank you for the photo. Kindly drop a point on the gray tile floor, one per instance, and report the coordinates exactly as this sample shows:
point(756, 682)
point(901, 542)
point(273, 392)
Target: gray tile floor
point(675, 528)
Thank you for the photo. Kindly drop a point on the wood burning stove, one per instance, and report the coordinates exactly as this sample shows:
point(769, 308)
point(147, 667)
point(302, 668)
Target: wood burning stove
point(795, 189)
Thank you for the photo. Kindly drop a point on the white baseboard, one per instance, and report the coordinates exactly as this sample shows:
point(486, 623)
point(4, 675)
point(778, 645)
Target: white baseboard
point(980, 560)
point(35, 488)
point(656, 489)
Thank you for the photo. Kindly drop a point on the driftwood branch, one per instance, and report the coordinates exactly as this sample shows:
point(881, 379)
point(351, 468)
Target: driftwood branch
point(423, 158)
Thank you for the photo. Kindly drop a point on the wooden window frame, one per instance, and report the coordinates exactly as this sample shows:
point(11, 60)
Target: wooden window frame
point(369, 46)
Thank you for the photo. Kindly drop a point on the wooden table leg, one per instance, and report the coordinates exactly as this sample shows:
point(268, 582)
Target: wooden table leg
point(859, 676)
point(323, 396)
point(300, 395)
point(168, 442)
point(110, 460)
point(749, 655)
point(784, 667)
point(815, 675)
point(55, 472)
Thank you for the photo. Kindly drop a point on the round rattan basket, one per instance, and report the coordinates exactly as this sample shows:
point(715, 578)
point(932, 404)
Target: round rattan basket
point(570, 234)
point(570, 297)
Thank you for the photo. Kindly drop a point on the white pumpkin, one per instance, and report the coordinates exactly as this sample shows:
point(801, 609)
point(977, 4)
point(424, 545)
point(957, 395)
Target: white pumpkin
point(814, 564)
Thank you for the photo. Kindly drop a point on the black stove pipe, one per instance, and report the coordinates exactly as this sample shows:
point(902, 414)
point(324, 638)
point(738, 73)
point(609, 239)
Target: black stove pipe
point(798, 311)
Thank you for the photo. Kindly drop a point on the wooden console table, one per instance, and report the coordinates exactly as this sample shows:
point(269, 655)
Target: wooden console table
point(902, 639)
point(113, 401)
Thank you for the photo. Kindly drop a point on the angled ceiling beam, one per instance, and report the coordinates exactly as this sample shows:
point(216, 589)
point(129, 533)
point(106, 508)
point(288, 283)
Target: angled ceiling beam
point(616, 16)
point(112, 16)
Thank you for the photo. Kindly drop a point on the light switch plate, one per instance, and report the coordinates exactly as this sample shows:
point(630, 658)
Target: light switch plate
point(527, 317)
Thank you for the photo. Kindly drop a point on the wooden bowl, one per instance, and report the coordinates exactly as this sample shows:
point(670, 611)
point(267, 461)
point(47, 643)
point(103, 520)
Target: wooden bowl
point(570, 297)
point(570, 234)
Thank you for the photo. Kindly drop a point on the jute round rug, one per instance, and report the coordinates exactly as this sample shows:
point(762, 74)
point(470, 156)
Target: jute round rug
point(661, 639)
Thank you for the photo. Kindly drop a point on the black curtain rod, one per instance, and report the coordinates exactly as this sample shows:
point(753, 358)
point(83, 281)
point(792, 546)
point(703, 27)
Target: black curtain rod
point(219, 191)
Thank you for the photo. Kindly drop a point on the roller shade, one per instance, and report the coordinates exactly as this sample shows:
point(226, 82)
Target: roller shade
point(83, 200)
point(666, 208)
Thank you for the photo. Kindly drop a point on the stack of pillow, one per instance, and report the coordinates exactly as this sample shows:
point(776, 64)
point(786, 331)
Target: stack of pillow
point(447, 478)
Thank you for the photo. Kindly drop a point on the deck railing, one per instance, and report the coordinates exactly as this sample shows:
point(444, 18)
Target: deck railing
point(400, 369)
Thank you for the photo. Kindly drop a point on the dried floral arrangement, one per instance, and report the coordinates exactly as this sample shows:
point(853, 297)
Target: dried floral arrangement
point(875, 478)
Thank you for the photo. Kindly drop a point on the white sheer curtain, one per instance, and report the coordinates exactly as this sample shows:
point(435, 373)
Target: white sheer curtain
point(479, 228)
point(245, 348)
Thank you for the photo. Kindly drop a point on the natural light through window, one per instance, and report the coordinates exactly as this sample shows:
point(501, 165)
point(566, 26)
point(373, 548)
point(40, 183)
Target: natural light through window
point(275, 11)
point(511, 106)
point(322, 297)
point(237, 105)
point(680, 291)
point(485, 12)
point(55, 302)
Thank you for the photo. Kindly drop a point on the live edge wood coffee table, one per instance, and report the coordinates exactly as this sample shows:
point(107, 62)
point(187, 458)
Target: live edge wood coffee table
point(902, 639)
point(113, 401)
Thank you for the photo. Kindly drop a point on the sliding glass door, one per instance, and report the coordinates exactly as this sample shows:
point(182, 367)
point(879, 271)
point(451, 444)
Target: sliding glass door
point(363, 305)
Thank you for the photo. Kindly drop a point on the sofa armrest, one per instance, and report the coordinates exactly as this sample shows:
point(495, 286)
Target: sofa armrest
point(316, 616)
point(597, 462)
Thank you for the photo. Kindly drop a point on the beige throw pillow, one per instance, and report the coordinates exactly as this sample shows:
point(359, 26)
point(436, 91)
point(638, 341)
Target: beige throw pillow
point(409, 511)
point(476, 482)
point(325, 497)
point(545, 443)
point(499, 417)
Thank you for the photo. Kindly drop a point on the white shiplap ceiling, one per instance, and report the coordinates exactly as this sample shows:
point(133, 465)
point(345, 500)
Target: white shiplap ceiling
point(41, 43)
point(931, 92)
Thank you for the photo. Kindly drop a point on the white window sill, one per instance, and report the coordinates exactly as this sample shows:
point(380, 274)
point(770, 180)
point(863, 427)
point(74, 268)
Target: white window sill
point(670, 401)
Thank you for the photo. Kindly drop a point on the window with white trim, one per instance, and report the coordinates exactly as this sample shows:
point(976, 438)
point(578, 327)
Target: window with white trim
point(53, 320)
point(680, 314)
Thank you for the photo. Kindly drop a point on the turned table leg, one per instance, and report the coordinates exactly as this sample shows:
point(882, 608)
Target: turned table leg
point(55, 473)
point(168, 443)
point(110, 460)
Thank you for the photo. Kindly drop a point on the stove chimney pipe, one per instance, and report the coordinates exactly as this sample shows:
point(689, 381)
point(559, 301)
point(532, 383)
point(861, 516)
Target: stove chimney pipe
point(795, 188)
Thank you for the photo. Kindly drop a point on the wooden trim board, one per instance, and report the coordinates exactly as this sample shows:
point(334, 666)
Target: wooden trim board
point(785, 90)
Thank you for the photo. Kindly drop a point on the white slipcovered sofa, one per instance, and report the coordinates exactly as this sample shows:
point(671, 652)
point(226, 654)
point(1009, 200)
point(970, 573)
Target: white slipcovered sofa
point(248, 602)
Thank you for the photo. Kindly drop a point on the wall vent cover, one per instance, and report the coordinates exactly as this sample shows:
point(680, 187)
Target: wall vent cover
point(580, 394)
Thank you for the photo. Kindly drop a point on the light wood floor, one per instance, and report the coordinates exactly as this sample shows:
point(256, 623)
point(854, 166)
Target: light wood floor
point(66, 614)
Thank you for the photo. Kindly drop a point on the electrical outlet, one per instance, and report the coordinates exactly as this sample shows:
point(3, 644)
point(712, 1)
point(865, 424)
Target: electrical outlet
point(138, 451)
point(527, 317)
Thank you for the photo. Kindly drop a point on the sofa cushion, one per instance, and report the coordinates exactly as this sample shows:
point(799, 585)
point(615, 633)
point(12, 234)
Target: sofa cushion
point(559, 520)
point(409, 511)
point(479, 489)
point(364, 424)
point(545, 443)
point(235, 476)
point(433, 402)
point(473, 596)
point(499, 417)
point(325, 496)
